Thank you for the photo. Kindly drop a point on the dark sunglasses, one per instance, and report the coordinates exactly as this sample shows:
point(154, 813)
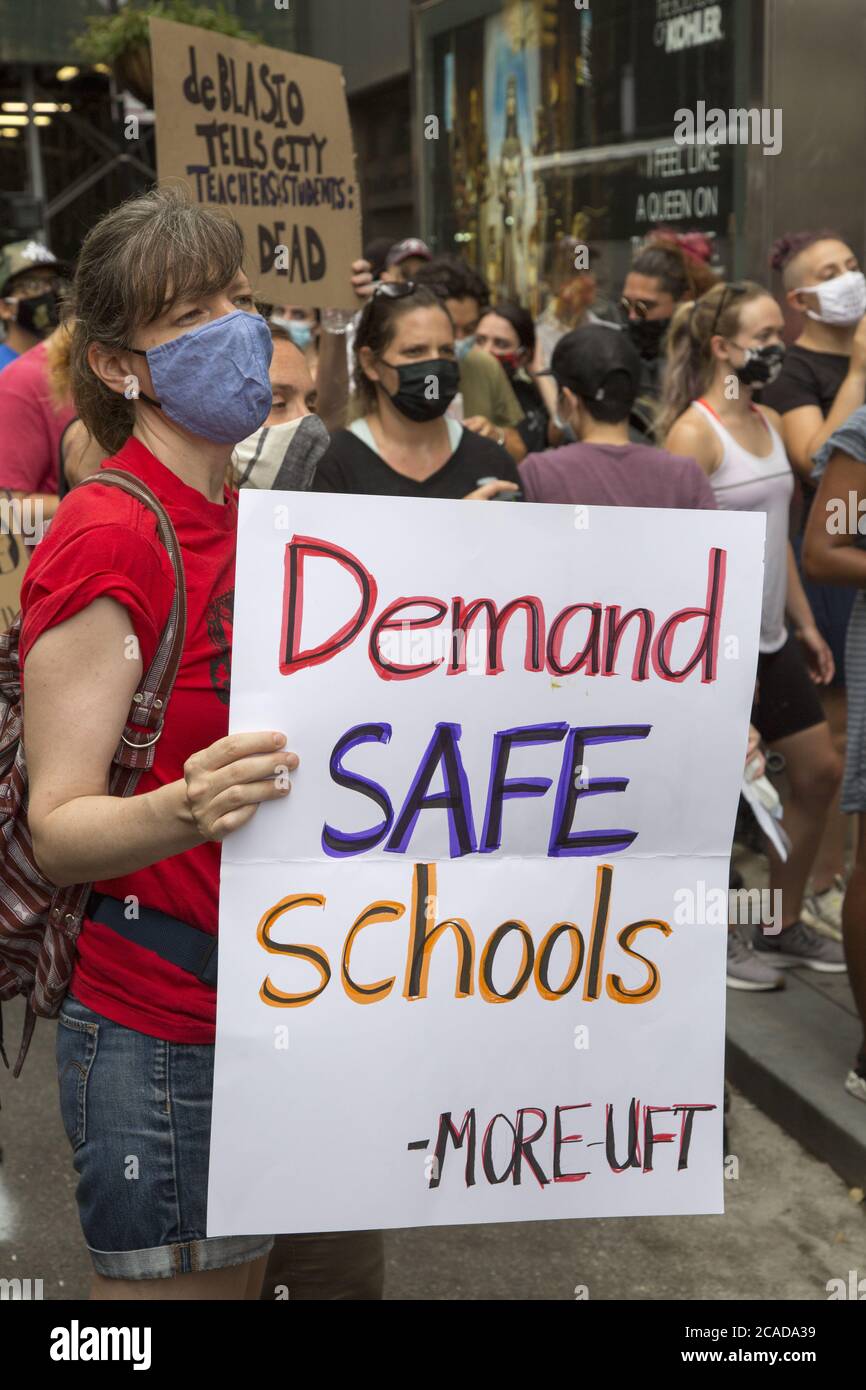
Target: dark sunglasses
point(727, 296)
point(641, 306)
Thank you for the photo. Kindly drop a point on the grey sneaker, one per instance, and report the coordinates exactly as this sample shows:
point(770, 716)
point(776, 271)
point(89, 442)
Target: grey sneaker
point(823, 911)
point(855, 1085)
point(855, 1082)
point(746, 970)
point(801, 945)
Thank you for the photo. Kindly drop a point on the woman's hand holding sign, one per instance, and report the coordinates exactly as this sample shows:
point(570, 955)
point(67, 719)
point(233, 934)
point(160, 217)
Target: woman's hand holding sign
point(226, 782)
point(489, 492)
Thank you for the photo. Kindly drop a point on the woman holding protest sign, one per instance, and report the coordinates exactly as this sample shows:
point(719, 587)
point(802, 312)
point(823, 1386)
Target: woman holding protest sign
point(406, 376)
point(721, 349)
point(169, 367)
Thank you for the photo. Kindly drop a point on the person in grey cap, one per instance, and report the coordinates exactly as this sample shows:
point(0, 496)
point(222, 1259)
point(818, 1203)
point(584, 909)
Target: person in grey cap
point(405, 258)
point(31, 281)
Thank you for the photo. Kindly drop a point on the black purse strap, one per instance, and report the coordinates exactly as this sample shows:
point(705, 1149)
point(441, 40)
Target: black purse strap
point(137, 748)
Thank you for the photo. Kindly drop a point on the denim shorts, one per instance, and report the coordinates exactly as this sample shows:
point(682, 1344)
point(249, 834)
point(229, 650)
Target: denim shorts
point(137, 1112)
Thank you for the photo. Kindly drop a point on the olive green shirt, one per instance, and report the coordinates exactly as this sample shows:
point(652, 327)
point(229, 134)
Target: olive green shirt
point(487, 391)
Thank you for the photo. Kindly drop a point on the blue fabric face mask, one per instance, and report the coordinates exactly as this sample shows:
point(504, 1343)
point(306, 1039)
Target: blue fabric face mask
point(213, 381)
point(300, 333)
point(464, 345)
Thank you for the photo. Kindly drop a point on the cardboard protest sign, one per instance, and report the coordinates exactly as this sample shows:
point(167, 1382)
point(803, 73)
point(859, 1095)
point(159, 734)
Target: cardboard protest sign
point(473, 968)
point(264, 134)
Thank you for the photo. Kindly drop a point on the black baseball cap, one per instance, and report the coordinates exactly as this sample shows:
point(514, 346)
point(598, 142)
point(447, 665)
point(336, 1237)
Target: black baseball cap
point(598, 362)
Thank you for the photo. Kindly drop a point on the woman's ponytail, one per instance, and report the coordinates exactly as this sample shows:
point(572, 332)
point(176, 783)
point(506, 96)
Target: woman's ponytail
point(689, 363)
point(682, 374)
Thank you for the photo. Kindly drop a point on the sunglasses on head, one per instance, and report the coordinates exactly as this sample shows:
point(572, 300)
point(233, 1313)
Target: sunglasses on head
point(727, 296)
point(403, 288)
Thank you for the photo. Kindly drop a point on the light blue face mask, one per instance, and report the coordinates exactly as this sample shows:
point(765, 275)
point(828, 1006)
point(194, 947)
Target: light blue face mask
point(213, 381)
point(463, 345)
point(300, 333)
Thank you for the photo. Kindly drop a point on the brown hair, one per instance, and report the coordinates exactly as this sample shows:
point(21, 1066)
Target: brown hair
point(680, 275)
point(152, 250)
point(376, 331)
point(58, 346)
point(690, 364)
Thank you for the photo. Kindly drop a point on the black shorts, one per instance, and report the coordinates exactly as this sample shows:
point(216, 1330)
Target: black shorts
point(786, 701)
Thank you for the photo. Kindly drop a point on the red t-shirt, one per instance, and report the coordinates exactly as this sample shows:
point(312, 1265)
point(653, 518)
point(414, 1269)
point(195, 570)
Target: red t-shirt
point(103, 543)
point(31, 425)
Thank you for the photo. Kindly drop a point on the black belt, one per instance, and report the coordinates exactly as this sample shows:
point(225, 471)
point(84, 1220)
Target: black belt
point(169, 938)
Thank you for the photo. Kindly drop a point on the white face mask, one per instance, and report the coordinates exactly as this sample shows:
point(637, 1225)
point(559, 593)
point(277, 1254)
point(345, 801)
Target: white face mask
point(842, 300)
point(281, 456)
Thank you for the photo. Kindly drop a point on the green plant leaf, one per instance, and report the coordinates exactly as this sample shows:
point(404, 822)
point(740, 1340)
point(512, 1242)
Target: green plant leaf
point(109, 36)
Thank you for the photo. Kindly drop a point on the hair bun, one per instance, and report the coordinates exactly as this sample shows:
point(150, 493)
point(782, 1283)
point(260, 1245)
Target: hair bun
point(781, 251)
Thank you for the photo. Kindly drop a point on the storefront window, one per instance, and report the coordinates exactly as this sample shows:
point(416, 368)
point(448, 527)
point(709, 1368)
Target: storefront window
point(558, 121)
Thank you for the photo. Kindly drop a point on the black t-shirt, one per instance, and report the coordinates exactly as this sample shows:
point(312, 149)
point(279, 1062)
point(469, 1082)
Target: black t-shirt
point(806, 378)
point(350, 465)
point(533, 427)
point(642, 415)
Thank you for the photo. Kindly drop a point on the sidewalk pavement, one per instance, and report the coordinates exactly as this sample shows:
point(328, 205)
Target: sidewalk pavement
point(789, 1052)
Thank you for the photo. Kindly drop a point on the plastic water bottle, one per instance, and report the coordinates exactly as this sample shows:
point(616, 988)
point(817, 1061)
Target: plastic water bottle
point(336, 320)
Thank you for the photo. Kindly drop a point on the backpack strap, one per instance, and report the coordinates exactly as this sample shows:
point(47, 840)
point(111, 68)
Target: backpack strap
point(137, 748)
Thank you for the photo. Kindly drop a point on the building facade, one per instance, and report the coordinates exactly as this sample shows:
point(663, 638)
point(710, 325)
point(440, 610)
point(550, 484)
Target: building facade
point(539, 119)
point(370, 40)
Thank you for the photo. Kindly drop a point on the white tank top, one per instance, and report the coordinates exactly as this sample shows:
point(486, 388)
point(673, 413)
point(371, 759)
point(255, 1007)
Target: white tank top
point(743, 482)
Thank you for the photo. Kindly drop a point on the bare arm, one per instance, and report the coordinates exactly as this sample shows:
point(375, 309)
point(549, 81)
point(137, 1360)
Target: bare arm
point(80, 833)
point(547, 390)
point(819, 657)
point(805, 429)
point(506, 437)
point(332, 380)
point(829, 552)
point(694, 439)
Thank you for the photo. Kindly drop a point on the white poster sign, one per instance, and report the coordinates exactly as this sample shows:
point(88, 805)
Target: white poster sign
point(473, 968)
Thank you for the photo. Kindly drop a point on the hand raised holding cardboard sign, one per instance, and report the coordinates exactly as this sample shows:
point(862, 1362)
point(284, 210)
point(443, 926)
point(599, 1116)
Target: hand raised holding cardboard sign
point(266, 135)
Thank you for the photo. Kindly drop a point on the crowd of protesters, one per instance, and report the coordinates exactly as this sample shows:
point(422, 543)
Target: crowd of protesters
point(681, 394)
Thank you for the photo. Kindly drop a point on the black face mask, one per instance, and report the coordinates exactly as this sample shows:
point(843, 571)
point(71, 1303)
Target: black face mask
point(426, 389)
point(647, 335)
point(39, 315)
point(762, 365)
